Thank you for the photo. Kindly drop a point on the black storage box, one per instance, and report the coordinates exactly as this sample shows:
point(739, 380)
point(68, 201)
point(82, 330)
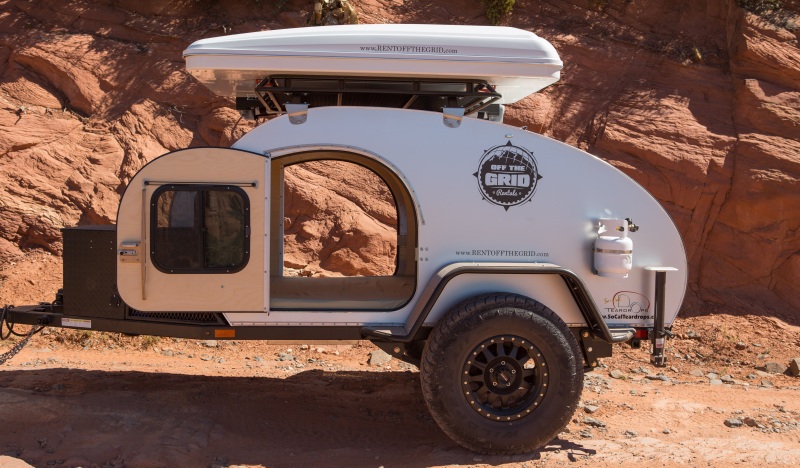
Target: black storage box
point(90, 272)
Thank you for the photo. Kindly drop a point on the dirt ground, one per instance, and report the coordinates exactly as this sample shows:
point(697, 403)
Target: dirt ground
point(78, 398)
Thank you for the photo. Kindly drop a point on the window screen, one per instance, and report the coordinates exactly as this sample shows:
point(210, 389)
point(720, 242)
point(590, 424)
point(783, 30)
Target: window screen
point(200, 229)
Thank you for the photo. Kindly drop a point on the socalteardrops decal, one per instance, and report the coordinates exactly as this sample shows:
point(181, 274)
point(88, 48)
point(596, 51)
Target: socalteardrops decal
point(507, 175)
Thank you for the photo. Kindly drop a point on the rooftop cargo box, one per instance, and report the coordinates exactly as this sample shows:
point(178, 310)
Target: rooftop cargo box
point(515, 62)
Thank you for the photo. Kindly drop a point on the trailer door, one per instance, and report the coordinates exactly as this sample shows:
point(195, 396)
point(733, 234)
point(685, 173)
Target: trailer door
point(196, 219)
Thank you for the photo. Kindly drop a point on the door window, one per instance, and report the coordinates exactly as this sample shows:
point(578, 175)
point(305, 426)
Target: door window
point(200, 229)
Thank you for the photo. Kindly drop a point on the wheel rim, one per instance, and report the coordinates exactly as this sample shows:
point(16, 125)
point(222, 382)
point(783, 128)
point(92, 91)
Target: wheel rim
point(505, 378)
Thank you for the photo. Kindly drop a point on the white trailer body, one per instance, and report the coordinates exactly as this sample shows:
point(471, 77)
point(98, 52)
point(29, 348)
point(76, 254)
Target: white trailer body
point(518, 263)
point(456, 222)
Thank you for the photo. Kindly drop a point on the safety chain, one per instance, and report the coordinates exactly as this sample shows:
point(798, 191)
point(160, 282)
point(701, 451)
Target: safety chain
point(17, 347)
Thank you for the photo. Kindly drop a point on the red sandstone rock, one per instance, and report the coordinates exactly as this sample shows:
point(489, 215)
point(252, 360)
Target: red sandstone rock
point(699, 103)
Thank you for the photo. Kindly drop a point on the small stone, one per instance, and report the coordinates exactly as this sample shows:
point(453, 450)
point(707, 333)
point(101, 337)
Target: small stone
point(615, 374)
point(379, 358)
point(696, 373)
point(733, 422)
point(303, 347)
point(258, 359)
point(750, 422)
point(666, 431)
point(741, 346)
point(673, 369)
point(320, 350)
point(727, 379)
point(658, 376)
point(715, 382)
point(593, 422)
point(794, 367)
point(591, 409)
point(285, 357)
point(633, 392)
point(585, 434)
point(752, 376)
point(775, 368)
point(691, 334)
point(221, 361)
point(761, 373)
point(630, 433)
point(766, 383)
point(168, 352)
point(712, 375)
point(205, 357)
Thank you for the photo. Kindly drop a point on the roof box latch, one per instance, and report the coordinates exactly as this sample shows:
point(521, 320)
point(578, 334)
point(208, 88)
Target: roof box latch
point(298, 113)
point(452, 116)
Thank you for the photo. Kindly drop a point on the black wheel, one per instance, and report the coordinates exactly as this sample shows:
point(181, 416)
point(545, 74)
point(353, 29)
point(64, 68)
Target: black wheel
point(502, 374)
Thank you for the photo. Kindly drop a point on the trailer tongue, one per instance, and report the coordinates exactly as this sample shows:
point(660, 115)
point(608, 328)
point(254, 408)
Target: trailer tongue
point(516, 261)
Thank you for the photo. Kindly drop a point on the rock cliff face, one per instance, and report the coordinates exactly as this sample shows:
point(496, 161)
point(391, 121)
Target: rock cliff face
point(699, 101)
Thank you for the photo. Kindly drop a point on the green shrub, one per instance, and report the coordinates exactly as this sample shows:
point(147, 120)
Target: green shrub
point(760, 6)
point(495, 9)
point(149, 341)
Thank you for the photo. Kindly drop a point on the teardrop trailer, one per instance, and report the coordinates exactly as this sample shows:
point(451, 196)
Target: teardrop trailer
point(517, 263)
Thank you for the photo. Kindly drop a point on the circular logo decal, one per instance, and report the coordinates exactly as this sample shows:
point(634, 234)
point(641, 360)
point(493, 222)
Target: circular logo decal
point(507, 175)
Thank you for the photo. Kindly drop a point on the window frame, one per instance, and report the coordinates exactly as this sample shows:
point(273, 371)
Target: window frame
point(200, 188)
point(283, 294)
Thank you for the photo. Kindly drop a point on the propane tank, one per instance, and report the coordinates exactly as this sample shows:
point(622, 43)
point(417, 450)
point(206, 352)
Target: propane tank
point(613, 249)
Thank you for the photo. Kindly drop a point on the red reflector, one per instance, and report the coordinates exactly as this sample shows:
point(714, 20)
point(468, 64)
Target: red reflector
point(641, 333)
point(224, 333)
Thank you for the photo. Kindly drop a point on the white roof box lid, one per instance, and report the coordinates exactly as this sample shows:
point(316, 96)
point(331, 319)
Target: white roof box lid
point(516, 62)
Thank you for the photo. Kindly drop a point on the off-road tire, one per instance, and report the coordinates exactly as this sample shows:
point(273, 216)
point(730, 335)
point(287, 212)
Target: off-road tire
point(513, 428)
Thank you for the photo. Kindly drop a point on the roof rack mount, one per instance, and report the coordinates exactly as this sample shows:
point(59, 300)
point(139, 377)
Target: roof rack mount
point(273, 93)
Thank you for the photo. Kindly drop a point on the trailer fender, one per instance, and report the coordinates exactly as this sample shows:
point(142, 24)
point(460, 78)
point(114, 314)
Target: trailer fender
point(439, 282)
